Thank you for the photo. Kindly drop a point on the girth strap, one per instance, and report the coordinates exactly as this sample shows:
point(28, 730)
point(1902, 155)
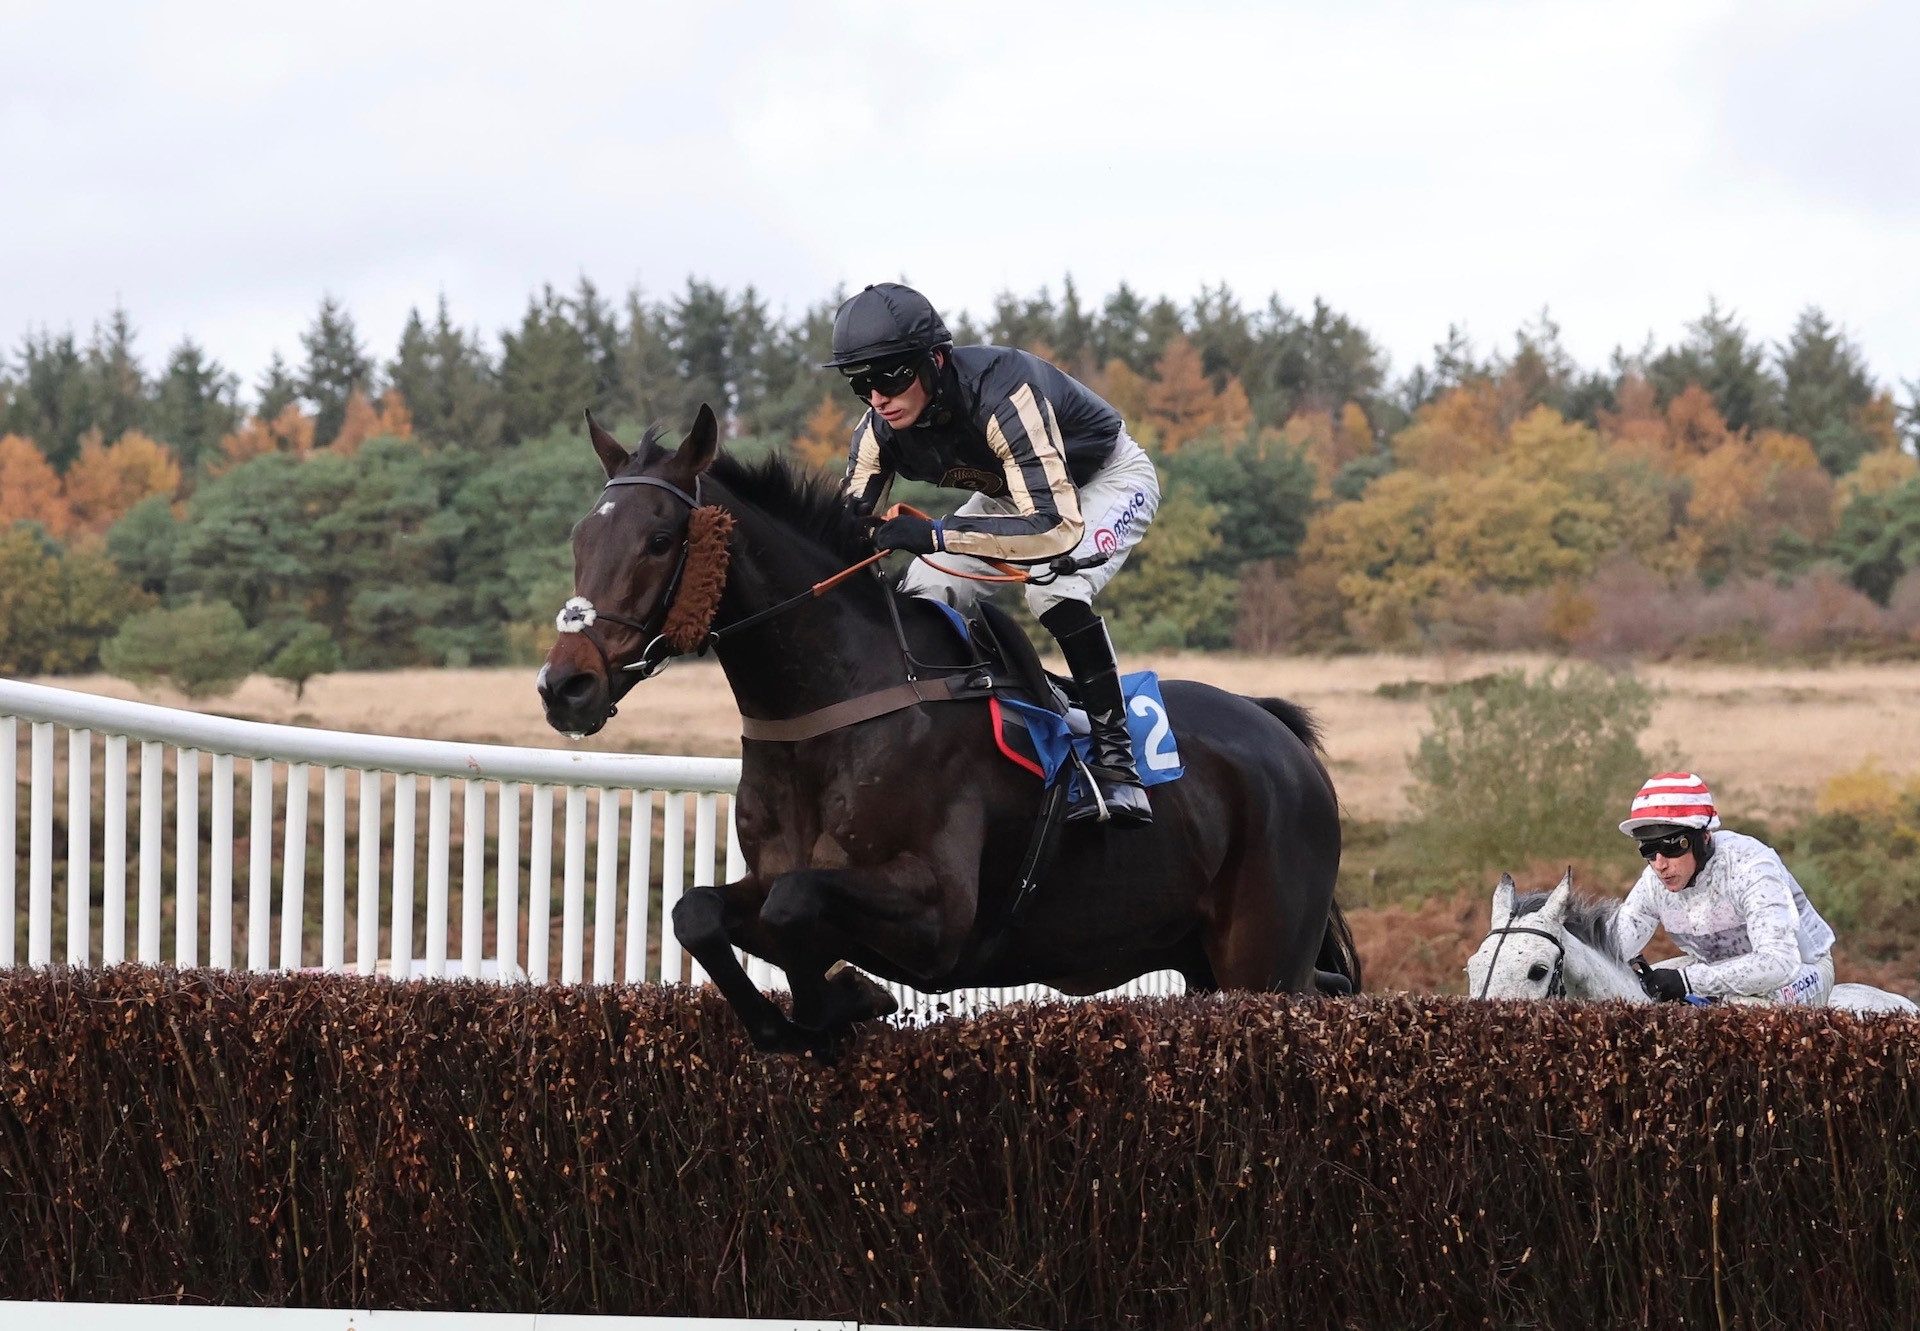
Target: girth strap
point(948, 688)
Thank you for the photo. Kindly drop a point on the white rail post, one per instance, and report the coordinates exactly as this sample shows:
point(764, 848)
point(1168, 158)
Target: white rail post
point(220, 868)
point(293, 872)
point(439, 815)
point(333, 871)
point(473, 878)
point(540, 885)
point(406, 793)
point(260, 866)
point(79, 846)
point(9, 834)
point(152, 802)
point(506, 923)
point(574, 908)
point(673, 858)
point(366, 910)
point(40, 849)
point(606, 886)
point(113, 870)
point(186, 858)
point(639, 886)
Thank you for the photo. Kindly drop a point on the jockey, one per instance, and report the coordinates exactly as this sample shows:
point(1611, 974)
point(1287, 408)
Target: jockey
point(1052, 470)
point(1747, 928)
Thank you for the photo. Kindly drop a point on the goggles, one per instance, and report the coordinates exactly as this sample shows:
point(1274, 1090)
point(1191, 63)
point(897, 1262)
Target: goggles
point(888, 378)
point(1672, 846)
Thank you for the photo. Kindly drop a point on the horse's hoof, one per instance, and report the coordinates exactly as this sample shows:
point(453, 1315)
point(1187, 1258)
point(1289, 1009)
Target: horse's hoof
point(862, 998)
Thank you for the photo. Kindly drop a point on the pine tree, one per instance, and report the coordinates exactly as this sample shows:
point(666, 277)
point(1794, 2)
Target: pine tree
point(1826, 387)
point(1221, 333)
point(545, 376)
point(277, 389)
point(1121, 333)
point(195, 405)
point(337, 365)
point(443, 375)
point(599, 330)
point(1718, 356)
point(1073, 331)
point(699, 329)
point(116, 385)
point(50, 399)
point(647, 362)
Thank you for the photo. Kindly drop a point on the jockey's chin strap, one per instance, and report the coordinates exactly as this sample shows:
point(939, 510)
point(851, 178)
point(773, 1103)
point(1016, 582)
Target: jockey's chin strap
point(1556, 984)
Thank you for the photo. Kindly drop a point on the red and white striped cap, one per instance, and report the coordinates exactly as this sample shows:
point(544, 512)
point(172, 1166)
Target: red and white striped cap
point(1672, 799)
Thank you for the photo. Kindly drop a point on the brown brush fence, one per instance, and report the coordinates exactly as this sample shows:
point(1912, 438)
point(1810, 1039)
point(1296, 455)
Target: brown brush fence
point(1242, 1162)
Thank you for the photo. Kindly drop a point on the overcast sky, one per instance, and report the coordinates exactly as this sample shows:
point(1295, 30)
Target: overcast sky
point(216, 167)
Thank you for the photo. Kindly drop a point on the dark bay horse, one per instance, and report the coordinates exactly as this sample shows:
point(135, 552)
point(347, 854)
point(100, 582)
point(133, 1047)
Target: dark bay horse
point(894, 843)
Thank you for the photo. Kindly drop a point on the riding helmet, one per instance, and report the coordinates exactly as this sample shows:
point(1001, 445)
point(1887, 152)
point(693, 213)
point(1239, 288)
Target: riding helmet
point(885, 319)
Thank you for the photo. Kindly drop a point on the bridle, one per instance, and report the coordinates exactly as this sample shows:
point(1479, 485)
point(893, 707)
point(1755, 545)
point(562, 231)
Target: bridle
point(579, 615)
point(1556, 983)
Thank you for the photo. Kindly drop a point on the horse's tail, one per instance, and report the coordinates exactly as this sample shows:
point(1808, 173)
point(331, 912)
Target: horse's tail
point(1338, 957)
point(1339, 962)
point(1295, 718)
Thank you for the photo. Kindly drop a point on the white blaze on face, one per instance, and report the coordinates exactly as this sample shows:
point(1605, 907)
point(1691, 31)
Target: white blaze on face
point(604, 509)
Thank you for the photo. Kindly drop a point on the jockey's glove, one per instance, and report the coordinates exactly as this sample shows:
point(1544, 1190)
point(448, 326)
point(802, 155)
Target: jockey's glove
point(1665, 984)
point(920, 536)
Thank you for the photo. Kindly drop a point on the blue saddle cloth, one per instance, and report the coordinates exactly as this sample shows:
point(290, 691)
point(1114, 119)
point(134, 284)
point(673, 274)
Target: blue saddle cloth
point(1156, 751)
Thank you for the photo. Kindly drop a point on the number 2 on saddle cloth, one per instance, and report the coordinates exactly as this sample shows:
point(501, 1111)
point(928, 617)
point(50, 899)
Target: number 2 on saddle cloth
point(1042, 741)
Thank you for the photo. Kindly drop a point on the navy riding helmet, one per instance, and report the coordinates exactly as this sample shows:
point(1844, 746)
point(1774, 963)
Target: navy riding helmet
point(885, 320)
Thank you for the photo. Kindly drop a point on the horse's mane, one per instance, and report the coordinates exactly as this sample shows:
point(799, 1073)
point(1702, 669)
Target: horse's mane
point(805, 499)
point(1587, 918)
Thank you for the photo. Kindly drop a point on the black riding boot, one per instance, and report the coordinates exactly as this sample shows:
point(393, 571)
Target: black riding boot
point(1083, 641)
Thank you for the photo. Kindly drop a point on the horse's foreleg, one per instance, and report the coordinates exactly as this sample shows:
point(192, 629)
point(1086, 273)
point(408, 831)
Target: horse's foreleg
point(901, 910)
point(706, 920)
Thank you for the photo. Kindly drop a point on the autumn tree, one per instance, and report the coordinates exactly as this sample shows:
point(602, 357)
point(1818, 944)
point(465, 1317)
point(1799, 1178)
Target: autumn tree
point(825, 441)
point(290, 432)
point(56, 606)
point(30, 488)
point(1181, 403)
point(106, 481)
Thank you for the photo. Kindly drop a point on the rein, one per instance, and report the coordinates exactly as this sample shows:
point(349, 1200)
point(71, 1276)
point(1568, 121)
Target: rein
point(579, 615)
point(1556, 985)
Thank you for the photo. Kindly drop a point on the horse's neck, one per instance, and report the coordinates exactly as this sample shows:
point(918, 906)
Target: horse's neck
point(1591, 973)
point(819, 651)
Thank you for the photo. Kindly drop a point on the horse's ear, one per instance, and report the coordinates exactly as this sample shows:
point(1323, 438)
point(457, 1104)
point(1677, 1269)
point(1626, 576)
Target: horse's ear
point(1554, 913)
point(612, 456)
point(1503, 902)
point(702, 444)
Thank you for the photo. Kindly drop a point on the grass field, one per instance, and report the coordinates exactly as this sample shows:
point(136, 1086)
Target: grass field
point(1765, 738)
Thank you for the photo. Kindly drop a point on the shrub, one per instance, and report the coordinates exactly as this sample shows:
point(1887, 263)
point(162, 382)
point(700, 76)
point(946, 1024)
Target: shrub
point(201, 649)
point(1520, 768)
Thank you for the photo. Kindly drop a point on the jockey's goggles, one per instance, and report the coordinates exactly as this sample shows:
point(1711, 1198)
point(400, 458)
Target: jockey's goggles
point(1673, 846)
point(889, 378)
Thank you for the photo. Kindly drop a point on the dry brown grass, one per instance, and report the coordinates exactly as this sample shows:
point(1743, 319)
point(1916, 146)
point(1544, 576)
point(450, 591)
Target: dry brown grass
point(1766, 738)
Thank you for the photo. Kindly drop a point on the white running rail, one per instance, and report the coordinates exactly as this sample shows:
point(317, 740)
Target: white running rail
point(263, 903)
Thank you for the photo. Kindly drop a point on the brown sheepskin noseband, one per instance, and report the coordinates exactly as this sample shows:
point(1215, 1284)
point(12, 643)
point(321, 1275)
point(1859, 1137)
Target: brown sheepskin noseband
point(690, 618)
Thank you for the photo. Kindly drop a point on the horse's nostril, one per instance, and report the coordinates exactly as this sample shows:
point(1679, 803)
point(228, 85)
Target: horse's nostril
point(576, 689)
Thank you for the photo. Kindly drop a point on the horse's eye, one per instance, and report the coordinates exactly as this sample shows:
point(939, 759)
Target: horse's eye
point(1537, 971)
point(659, 543)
